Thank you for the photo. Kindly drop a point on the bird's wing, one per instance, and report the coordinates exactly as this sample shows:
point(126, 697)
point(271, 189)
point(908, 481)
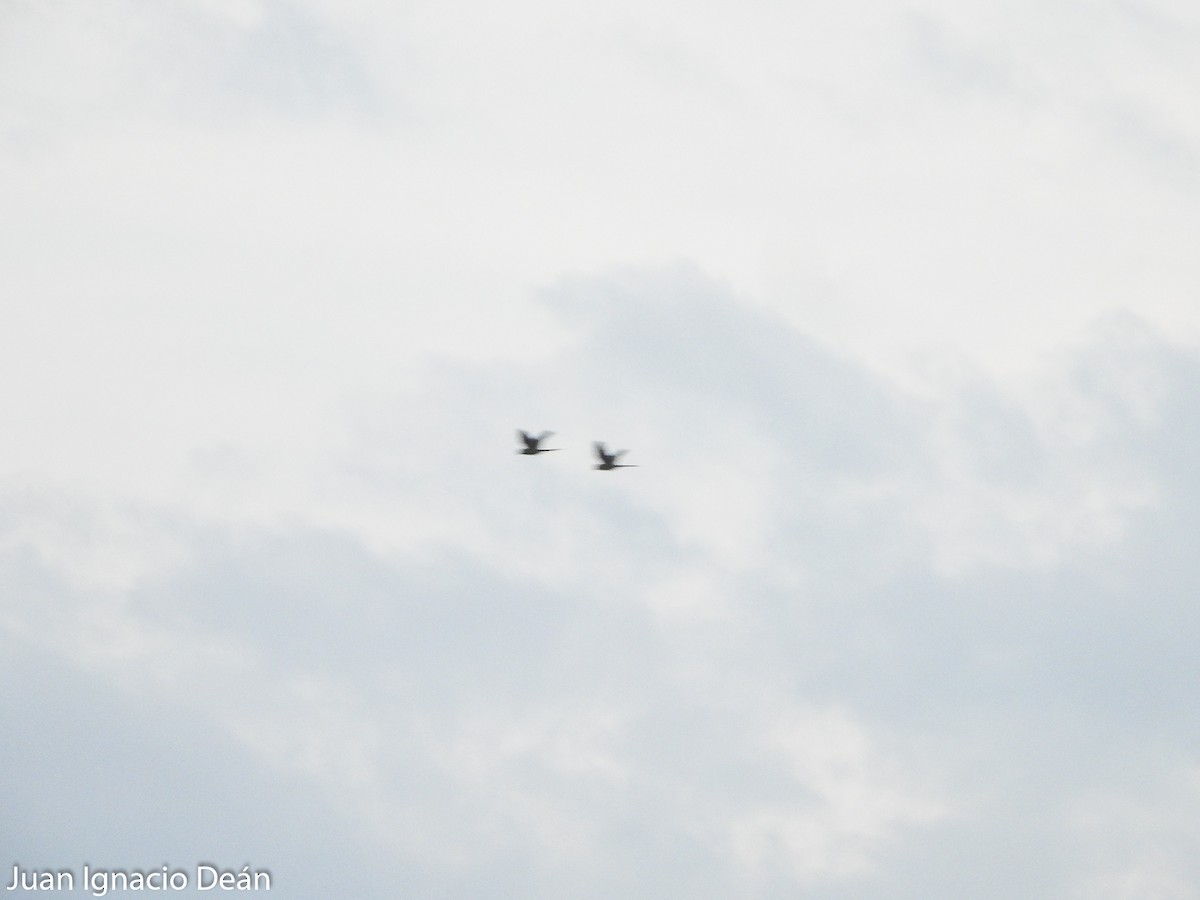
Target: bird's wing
point(544, 435)
point(619, 454)
point(600, 452)
point(530, 442)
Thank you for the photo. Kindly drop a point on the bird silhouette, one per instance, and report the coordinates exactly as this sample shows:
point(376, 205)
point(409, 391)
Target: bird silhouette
point(609, 460)
point(531, 443)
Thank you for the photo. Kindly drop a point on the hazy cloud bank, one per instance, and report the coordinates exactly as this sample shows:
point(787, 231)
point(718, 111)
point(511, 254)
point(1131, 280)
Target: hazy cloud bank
point(833, 635)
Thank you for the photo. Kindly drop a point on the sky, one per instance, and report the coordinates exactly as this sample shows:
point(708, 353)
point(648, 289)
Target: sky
point(890, 302)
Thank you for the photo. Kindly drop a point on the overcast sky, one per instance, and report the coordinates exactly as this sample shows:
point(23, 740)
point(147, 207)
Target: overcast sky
point(892, 302)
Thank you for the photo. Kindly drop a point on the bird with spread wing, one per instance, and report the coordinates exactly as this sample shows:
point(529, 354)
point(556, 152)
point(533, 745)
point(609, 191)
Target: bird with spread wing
point(533, 444)
point(609, 460)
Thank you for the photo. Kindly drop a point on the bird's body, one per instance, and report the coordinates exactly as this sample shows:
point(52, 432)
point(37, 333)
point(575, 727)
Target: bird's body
point(609, 460)
point(532, 443)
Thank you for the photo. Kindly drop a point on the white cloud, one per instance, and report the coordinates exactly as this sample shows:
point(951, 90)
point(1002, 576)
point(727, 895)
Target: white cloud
point(542, 654)
point(886, 604)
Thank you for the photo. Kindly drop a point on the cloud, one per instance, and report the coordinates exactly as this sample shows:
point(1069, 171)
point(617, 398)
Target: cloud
point(885, 610)
point(82, 69)
point(544, 671)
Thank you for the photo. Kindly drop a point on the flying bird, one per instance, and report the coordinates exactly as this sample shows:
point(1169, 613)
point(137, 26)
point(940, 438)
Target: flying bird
point(531, 443)
point(609, 460)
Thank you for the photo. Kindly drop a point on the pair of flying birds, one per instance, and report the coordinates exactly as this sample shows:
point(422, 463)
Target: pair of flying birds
point(607, 460)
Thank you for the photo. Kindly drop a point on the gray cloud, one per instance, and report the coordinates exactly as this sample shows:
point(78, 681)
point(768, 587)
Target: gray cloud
point(278, 590)
point(575, 691)
point(102, 67)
